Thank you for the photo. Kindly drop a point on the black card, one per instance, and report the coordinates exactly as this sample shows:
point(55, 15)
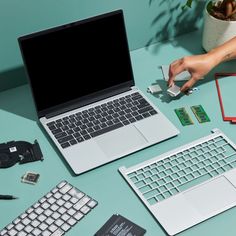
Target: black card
point(118, 225)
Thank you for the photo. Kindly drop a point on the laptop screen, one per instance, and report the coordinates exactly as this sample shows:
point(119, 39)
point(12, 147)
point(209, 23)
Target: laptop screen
point(77, 61)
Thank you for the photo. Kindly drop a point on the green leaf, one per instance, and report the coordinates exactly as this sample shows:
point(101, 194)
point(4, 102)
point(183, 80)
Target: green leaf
point(209, 6)
point(188, 4)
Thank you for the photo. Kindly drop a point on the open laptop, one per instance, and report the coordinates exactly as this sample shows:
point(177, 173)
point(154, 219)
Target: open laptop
point(83, 87)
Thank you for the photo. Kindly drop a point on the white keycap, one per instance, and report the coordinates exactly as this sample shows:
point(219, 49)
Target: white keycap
point(23, 215)
point(54, 190)
point(74, 200)
point(26, 221)
point(78, 216)
point(72, 192)
point(54, 207)
point(48, 212)
point(19, 227)
point(46, 233)
point(48, 195)
point(71, 212)
point(79, 195)
point(10, 226)
point(57, 195)
point(81, 203)
point(65, 189)
point(58, 232)
point(45, 205)
point(85, 209)
point(12, 232)
point(65, 227)
point(62, 210)
point(92, 204)
point(51, 200)
point(42, 218)
point(71, 221)
point(60, 185)
point(55, 215)
point(86, 199)
point(3, 232)
point(36, 205)
point(30, 210)
point(49, 221)
point(16, 221)
point(68, 205)
point(35, 223)
point(65, 217)
point(60, 202)
point(22, 233)
point(66, 197)
point(39, 210)
point(36, 232)
point(43, 226)
point(32, 216)
point(28, 228)
point(53, 228)
point(43, 199)
point(59, 222)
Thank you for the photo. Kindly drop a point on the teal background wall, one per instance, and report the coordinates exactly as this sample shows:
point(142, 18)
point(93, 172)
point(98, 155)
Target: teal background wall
point(147, 21)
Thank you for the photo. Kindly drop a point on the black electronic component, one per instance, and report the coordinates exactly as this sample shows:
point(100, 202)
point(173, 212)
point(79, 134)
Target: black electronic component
point(19, 151)
point(119, 225)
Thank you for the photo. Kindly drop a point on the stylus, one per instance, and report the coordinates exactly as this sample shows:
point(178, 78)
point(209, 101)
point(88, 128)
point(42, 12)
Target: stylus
point(7, 197)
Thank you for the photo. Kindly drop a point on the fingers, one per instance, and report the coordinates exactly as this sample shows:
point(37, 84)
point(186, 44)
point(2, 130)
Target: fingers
point(175, 68)
point(188, 85)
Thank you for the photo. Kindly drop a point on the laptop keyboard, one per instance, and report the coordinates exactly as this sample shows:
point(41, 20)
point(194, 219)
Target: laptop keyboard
point(54, 214)
point(103, 118)
point(164, 178)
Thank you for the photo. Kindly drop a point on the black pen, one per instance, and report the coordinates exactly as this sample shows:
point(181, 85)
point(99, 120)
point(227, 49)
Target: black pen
point(7, 197)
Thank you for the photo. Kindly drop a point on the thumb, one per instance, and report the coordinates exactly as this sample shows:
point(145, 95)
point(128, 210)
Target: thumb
point(171, 82)
point(188, 85)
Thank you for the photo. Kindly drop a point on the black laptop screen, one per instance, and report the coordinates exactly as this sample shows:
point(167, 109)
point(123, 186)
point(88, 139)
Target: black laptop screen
point(73, 61)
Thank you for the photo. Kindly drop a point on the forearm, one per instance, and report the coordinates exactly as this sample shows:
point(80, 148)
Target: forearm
point(224, 52)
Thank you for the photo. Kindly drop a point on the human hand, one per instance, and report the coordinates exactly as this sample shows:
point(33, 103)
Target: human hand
point(197, 66)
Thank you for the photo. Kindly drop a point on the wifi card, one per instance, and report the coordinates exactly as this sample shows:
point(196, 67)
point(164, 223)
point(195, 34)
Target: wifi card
point(183, 116)
point(200, 114)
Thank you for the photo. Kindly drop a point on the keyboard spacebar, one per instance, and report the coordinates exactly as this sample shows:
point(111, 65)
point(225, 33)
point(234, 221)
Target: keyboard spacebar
point(105, 130)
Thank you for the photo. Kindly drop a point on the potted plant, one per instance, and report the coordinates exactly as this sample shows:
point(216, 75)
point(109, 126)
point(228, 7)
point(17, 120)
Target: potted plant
point(219, 22)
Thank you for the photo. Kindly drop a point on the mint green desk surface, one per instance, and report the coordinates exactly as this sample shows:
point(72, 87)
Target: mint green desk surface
point(105, 184)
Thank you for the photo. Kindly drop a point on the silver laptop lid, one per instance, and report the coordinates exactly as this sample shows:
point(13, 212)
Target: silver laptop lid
point(78, 63)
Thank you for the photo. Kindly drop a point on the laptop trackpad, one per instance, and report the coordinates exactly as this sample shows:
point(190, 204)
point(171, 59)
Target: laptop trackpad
point(121, 141)
point(212, 196)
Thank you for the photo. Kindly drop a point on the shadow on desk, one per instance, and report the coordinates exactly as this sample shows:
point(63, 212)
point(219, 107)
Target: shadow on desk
point(173, 22)
point(165, 97)
point(19, 102)
point(12, 78)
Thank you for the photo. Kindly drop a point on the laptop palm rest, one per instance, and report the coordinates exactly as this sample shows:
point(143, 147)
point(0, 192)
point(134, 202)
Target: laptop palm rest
point(212, 196)
point(121, 141)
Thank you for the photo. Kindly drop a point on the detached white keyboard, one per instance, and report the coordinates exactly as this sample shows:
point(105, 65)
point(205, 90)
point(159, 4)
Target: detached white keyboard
point(54, 214)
